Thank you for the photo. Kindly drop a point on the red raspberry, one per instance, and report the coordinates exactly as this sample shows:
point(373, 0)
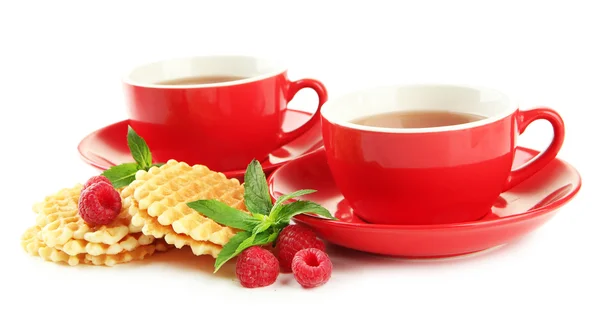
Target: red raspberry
point(292, 239)
point(96, 179)
point(311, 267)
point(256, 267)
point(99, 204)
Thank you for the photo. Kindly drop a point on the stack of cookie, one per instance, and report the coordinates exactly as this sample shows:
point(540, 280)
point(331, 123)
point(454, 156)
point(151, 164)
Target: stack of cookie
point(61, 235)
point(154, 217)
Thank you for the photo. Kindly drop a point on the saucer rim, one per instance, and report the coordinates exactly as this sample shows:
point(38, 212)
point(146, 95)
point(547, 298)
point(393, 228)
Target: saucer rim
point(233, 173)
point(306, 218)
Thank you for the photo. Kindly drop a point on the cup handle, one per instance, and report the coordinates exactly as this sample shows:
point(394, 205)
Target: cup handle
point(294, 87)
point(524, 118)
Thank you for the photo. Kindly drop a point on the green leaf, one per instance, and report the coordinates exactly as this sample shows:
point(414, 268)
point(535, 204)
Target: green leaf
point(274, 235)
point(228, 251)
point(263, 226)
point(256, 191)
point(246, 243)
point(259, 217)
point(139, 149)
point(231, 249)
point(121, 175)
point(299, 207)
point(263, 238)
point(223, 214)
point(282, 199)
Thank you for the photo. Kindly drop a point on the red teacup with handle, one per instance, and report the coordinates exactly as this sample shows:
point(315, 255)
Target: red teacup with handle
point(220, 111)
point(411, 175)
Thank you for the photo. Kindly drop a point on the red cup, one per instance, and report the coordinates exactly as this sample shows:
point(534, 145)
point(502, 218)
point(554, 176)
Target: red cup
point(223, 125)
point(435, 175)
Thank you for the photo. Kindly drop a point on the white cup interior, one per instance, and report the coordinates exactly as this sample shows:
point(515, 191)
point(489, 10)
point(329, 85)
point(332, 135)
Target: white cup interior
point(250, 67)
point(491, 104)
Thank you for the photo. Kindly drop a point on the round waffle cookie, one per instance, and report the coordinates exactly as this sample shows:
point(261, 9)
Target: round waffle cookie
point(58, 217)
point(157, 201)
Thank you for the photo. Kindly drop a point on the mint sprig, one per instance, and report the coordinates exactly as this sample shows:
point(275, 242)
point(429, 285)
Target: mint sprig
point(123, 174)
point(265, 219)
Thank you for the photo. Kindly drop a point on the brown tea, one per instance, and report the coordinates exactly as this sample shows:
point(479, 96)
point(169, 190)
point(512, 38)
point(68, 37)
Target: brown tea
point(200, 80)
point(417, 119)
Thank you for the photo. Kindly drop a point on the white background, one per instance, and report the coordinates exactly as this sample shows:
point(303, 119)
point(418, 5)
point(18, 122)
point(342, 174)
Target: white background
point(60, 68)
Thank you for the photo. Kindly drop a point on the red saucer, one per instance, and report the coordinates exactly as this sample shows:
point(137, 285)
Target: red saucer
point(107, 147)
point(516, 212)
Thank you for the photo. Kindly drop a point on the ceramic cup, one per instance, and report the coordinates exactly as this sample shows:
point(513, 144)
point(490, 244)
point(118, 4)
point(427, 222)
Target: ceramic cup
point(219, 122)
point(417, 176)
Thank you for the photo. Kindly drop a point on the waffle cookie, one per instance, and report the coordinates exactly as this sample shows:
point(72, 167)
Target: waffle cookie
point(61, 235)
point(157, 201)
point(58, 216)
point(32, 242)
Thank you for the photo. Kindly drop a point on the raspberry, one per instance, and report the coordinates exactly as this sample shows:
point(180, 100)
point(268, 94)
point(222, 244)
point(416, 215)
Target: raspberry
point(94, 180)
point(99, 204)
point(292, 239)
point(256, 267)
point(311, 267)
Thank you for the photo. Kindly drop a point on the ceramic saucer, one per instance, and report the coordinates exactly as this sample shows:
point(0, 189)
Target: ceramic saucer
point(107, 146)
point(516, 212)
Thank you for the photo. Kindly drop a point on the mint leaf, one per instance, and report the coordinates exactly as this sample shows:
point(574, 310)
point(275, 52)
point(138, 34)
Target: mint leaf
point(229, 249)
point(246, 243)
point(256, 191)
point(139, 149)
point(259, 239)
point(299, 207)
point(121, 175)
point(283, 198)
point(263, 226)
point(259, 217)
point(232, 248)
point(273, 235)
point(223, 214)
